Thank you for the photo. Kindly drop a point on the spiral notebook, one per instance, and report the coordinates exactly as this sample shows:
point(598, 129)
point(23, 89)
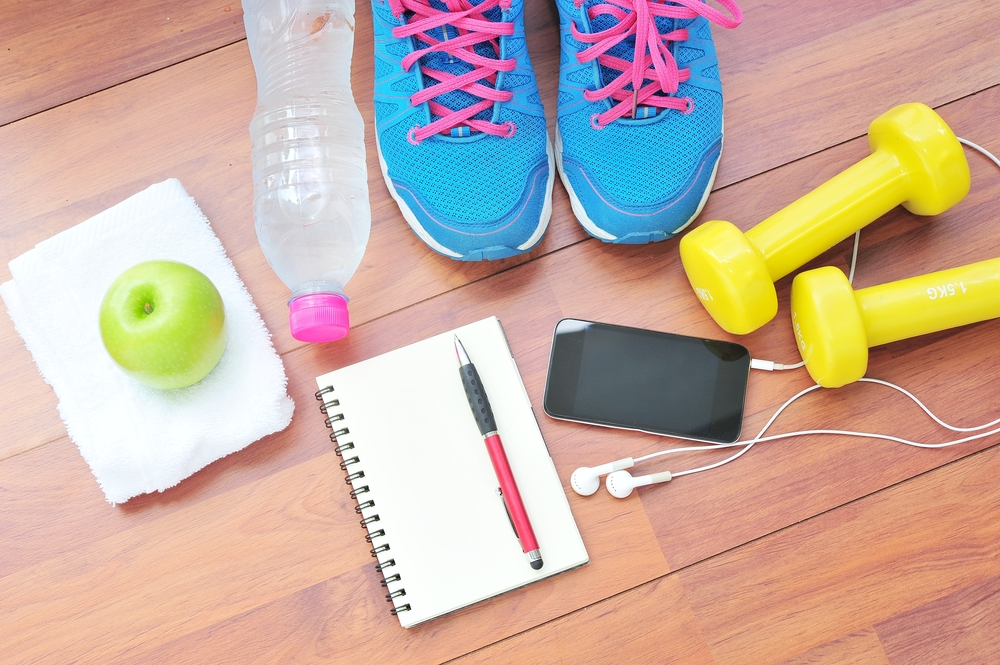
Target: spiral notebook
point(426, 490)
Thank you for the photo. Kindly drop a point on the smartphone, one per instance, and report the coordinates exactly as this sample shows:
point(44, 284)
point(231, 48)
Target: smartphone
point(645, 380)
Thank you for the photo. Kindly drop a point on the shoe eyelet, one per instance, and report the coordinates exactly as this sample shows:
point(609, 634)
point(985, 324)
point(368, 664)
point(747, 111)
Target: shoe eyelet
point(595, 121)
point(688, 106)
point(511, 130)
point(411, 135)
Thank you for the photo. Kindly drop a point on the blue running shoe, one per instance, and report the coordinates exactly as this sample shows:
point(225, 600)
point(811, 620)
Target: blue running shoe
point(460, 128)
point(640, 113)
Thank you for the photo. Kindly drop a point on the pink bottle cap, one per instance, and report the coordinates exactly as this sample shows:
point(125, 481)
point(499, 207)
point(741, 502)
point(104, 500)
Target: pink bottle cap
point(318, 317)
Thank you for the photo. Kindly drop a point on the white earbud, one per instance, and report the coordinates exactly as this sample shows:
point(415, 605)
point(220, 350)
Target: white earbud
point(586, 480)
point(621, 483)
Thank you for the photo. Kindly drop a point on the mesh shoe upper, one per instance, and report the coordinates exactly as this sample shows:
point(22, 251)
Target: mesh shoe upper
point(461, 136)
point(638, 160)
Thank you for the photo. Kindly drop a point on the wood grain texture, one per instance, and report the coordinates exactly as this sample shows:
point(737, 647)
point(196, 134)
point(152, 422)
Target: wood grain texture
point(814, 550)
point(223, 551)
point(626, 634)
point(801, 77)
point(853, 567)
point(346, 618)
point(906, 575)
point(860, 648)
point(55, 52)
point(964, 622)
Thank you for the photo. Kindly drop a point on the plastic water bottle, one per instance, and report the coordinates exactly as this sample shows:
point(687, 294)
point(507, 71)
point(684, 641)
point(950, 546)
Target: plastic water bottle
point(310, 177)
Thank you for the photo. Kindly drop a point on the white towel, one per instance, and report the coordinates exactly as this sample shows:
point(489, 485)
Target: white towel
point(138, 439)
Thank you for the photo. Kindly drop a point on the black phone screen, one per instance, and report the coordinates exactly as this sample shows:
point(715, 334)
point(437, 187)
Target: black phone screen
point(645, 380)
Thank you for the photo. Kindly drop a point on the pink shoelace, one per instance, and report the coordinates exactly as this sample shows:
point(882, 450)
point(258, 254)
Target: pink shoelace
point(473, 28)
point(652, 60)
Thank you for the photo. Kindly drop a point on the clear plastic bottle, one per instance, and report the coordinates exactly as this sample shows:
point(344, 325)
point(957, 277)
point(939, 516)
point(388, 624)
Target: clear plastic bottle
point(310, 177)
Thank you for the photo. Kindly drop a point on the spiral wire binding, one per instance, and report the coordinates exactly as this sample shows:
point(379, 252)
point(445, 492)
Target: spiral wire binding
point(342, 447)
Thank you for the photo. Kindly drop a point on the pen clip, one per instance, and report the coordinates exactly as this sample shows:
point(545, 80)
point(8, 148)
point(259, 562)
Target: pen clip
point(507, 510)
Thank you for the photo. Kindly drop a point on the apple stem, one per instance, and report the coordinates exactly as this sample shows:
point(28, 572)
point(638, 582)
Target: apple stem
point(148, 308)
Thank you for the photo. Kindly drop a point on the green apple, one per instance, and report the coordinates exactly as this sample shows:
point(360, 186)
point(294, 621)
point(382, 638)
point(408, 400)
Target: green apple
point(164, 323)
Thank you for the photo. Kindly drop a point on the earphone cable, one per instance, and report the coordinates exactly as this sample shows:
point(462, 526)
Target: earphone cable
point(747, 445)
point(760, 438)
point(980, 149)
point(717, 446)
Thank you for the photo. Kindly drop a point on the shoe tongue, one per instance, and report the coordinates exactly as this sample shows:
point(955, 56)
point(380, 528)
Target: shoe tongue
point(456, 99)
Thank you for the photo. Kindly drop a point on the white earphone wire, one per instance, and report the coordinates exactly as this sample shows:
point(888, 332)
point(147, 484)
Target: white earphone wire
point(980, 149)
point(760, 438)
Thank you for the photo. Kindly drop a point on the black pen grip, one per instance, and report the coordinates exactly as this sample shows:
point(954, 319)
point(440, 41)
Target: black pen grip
point(478, 401)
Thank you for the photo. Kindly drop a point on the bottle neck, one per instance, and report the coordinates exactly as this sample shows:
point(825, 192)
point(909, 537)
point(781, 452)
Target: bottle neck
point(307, 288)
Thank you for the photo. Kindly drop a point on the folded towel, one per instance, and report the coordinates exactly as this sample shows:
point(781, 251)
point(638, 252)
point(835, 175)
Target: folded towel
point(138, 439)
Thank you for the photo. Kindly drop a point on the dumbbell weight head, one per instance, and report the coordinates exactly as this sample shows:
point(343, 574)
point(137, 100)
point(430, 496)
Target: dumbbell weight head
point(729, 276)
point(929, 152)
point(828, 327)
point(834, 325)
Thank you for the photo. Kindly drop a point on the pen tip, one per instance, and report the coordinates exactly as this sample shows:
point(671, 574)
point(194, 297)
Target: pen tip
point(463, 356)
point(536, 564)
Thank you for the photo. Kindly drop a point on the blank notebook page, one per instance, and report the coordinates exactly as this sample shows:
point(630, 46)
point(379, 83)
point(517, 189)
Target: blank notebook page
point(431, 480)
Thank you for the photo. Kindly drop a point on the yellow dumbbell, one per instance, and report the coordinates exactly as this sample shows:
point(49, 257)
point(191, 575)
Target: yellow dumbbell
point(835, 325)
point(916, 161)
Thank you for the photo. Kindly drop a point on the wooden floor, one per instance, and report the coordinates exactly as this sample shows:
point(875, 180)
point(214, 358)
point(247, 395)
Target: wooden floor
point(812, 550)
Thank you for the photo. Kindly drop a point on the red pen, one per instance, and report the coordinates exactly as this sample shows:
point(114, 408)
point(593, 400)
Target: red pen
point(480, 406)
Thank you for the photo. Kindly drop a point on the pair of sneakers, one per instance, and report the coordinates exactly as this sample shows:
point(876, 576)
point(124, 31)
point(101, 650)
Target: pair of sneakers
point(461, 132)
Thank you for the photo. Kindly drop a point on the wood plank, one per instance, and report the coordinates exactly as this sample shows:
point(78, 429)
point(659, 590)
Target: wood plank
point(55, 52)
point(860, 648)
point(652, 624)
point(253, 560)
point(962, 624)
point(798, 79)
point(854, 567)
point(617, 630)
point(906, 575)
point(346, 617)
point(230, 553)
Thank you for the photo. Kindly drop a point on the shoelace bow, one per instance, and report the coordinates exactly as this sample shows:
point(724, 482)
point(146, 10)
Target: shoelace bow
point(473, 28)
point(652, 60)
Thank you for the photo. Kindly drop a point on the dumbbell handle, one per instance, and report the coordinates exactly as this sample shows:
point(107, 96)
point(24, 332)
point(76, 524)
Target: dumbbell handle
point(831, 212)
point(929, 303)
